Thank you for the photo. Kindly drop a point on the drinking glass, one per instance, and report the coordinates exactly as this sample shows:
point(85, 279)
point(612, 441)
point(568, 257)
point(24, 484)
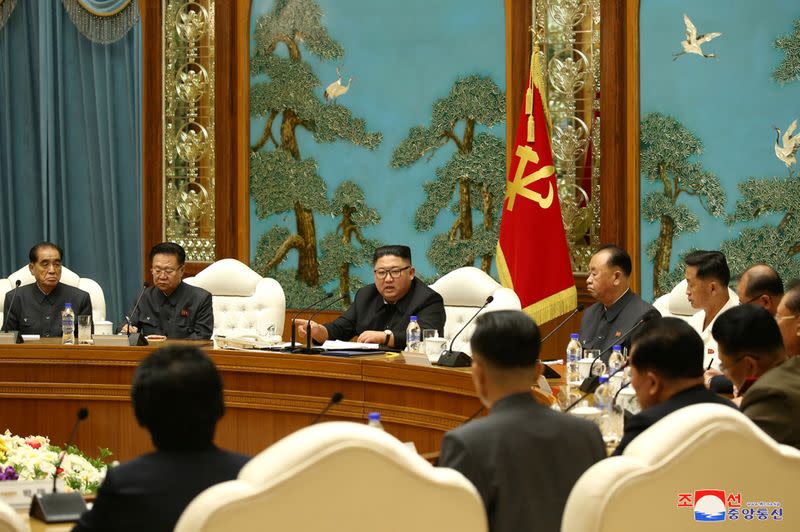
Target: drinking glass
point(85, 329)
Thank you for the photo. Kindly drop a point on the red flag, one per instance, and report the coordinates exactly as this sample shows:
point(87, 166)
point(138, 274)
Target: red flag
point(532, 253)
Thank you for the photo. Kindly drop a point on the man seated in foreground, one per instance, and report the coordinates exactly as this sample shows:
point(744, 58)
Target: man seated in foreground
point(667, 373)
point(37, 306)
point(788, 318)
point(768, 382)
point(177, 396)
point(171, 308)
point(523, 457)
point(381, 311)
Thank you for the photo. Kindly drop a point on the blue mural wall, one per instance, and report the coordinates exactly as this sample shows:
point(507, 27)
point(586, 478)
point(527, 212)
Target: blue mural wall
point(730, 103)
point(402, 57)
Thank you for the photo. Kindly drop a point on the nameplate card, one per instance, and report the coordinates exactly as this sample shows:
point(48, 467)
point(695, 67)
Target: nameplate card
point(113, 340)
point(18, 493)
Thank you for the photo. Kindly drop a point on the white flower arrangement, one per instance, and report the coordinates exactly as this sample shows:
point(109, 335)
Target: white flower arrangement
point(34, 458)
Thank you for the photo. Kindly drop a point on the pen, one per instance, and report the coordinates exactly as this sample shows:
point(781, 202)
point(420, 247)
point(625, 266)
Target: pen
point(709, 363)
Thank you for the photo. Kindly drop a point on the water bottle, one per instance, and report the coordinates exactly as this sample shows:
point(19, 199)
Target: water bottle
point(374, 420)
point(67, 325)
point(611, 417)
point(574, 352)
point(413, 336)
point(615, 360)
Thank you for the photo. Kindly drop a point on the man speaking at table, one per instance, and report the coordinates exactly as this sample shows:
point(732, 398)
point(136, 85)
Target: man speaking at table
point(172, 308)
point(381, 311)
point(37, 306)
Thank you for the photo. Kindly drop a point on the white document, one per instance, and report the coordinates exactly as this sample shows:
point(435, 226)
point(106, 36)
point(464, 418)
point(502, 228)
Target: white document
point(339, 344)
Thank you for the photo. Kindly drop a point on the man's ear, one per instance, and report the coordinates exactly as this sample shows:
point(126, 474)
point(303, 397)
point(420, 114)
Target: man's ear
point(30, 267)
point(479, 377)
point(654, 384)
point(411, 272)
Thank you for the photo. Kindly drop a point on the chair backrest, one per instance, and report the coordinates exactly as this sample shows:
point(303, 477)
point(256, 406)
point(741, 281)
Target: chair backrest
point(244, 302)
point(704, 461)
point(464, 290)
point(676, 304)
point(338, 476)
point(10, 521)
point(67, 277)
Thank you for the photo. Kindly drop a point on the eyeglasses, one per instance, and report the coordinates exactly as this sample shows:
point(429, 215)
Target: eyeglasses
point(157, 272)
point(393, 273)
point(725, 367)
point(752, 299)
point(779, 318)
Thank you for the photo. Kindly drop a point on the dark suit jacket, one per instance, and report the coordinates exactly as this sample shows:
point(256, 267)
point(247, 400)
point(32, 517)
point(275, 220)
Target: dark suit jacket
point(524, 459)
point(647, 417)
point(149, 493)
point(370, 313)
point(773, 402)
point(188, 312)
point(35, 312)
point(601, 328)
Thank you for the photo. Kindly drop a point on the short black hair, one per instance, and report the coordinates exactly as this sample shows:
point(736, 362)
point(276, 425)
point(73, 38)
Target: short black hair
point(33, 254)
point(710, 264)
point(792, 297)
point(669, 347)
point(617, 258)
point(747, 329)
point(506, 339)
point(169, 248)
point(177, 396)
point(764, 280)
point(397, 250)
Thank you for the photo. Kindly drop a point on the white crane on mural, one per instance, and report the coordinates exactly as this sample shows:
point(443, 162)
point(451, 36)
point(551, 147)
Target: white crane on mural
point(790, 144)
point(693, 43)
point(336, 88)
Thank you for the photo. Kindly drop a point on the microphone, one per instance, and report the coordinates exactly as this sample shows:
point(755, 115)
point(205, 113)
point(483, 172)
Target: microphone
point(308, 349)
point(17, 336)
point(306, 309)
point(136, 338)
point(579, 308)
point(60, 507)
point(335, 399)
point(459, 359)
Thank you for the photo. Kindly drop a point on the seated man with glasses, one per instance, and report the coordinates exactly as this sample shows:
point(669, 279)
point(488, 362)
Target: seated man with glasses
point(381, 311)
point(172, 308)
point(37, 306)
point(767, 381)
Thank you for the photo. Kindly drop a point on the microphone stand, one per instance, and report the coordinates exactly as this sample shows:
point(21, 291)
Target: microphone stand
point(459, 359)
point(14, 334)
point(137, 338)
point(306, 309)
point(308, 349)
point(336, 398)
point(579, 308)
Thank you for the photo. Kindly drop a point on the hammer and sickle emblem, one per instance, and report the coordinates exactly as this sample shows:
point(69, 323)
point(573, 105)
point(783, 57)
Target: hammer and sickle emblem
point(520, 183)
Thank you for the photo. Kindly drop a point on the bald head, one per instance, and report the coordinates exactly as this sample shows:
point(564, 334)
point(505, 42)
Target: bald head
point(761, 285)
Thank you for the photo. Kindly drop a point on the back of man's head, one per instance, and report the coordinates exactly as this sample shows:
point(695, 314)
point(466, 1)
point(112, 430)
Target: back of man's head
point(792, 297)
point(747, 330)
point(710, 265)
point(617, 258)
point(177, 396)
point(762, 279)
point(506, 339)
point(668, 347)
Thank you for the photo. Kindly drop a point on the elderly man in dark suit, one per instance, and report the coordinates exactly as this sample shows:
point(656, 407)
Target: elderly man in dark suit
point(381, 311)
point(177, 396)
point(523, 457)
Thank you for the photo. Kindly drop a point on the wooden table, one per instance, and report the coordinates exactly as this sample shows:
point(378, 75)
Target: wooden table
point(267, 396)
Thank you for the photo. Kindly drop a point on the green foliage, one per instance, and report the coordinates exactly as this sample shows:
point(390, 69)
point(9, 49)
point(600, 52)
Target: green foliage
point(298, 294)
point(789, 69)
point(776, 245)
point(278, 182)
point(657, 204)
point(266, 248)
point(349, 196)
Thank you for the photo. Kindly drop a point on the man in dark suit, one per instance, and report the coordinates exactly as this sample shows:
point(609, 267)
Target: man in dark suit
point(752, 355)
point(177, 396)
point(523, 457)
point(37, 307)
point(381, 311)
point(617, 309)
point(667, 373)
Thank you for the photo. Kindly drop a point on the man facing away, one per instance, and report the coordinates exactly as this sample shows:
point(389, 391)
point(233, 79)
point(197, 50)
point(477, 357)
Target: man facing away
point(707, 277)
point(768, 382)
point(788, 318)
point(760, 285)
point(617, 309)
point(381, 311)
point(177, 397)
point(37, 306)
point(523, 457)
point(667, 373)
point(171, 308)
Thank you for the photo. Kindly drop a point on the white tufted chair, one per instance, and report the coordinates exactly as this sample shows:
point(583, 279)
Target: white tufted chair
point(101, 325)
point(10, 521)
point(244, 302)
point(675, 304)
point(464, 291)
point(700, 447)
point(338, 476)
